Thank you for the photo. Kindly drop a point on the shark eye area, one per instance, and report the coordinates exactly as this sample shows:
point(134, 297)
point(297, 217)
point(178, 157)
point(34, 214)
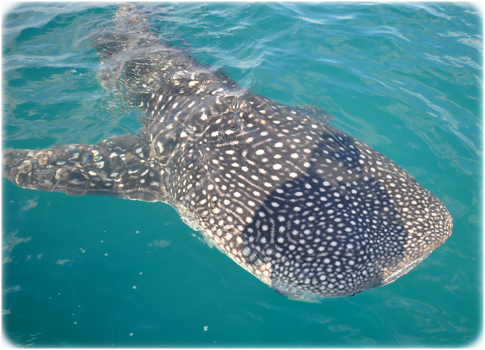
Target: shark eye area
point(169, 146)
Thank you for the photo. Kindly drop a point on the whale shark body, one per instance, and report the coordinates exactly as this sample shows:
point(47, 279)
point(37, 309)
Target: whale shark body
point(307, 209)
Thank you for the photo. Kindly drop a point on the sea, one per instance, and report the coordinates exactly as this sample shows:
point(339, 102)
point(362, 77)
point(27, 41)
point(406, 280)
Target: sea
point(92, 271)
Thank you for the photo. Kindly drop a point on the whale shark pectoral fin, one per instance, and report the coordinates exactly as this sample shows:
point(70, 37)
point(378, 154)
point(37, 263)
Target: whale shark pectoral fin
point(119, 166)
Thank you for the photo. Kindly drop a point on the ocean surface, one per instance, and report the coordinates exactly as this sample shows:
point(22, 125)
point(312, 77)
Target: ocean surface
point(95, 271)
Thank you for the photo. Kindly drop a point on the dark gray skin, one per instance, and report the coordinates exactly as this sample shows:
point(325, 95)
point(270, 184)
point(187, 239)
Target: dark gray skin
point(305, 208)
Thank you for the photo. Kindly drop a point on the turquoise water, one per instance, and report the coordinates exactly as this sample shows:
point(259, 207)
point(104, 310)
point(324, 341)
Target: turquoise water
point(99, 271)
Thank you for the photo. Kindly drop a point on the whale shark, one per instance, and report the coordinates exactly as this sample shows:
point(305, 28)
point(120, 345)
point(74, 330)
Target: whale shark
point(308, 210)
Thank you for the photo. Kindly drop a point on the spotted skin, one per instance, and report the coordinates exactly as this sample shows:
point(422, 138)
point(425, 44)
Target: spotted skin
point(308, 210)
